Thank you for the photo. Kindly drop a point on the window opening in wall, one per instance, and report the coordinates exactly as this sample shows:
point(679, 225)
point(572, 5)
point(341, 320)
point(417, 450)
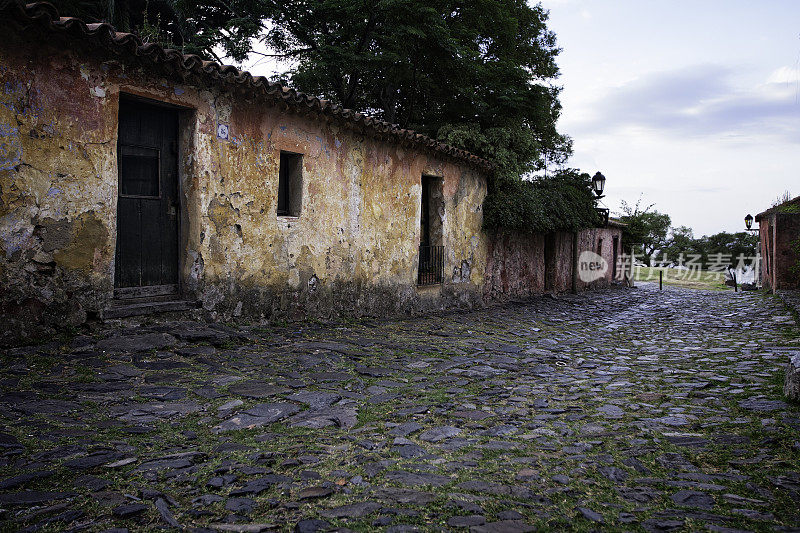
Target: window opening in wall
point(290, 184)
point(431, 249)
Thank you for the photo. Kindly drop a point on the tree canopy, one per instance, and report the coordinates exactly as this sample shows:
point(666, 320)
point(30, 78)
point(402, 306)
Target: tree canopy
point(645, 229)
point(529, 206)
point(650, 234)
point(475, 74)
point(720, 248)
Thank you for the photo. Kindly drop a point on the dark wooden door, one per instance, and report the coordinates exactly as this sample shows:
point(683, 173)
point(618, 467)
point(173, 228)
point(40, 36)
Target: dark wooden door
point(147, 207)
point(550, 262)
point(425, 215)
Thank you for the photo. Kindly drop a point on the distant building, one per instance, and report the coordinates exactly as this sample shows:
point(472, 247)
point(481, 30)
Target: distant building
point(779, 232)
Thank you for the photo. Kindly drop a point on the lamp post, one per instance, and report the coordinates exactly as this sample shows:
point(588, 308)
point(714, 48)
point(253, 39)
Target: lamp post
point(598, 184)
point(748, 222)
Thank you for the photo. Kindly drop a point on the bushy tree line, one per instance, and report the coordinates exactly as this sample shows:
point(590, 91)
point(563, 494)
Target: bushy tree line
point(651, 235)
point(720, 247)
point(529, 206)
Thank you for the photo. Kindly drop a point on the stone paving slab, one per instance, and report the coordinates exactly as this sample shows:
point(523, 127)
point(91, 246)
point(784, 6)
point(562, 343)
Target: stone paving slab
point(633, 410)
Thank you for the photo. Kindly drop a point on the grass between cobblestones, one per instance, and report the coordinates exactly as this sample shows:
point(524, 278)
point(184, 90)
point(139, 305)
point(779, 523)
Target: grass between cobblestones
point(613, 402)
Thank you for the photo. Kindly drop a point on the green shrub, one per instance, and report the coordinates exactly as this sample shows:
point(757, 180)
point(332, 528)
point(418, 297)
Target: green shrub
point(564, 202)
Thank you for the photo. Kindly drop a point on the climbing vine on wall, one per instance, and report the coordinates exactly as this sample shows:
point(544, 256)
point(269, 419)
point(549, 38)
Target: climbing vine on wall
point(564, 202)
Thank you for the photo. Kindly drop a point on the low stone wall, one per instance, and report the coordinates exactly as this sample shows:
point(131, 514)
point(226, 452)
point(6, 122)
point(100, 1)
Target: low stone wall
point(519, 265)
point(791, 384)
point(514, 267)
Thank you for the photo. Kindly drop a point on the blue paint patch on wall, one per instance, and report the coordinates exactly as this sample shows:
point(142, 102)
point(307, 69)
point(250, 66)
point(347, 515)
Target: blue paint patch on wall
point(15, 232)
point(11, 87)
point(261, 155)
point(323, 146)
point(10, 147)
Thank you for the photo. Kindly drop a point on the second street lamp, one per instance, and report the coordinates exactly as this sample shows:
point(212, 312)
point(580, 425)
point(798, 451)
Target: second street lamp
point(598, 184)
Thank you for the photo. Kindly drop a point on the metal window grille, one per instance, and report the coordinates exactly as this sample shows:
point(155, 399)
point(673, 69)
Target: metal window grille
point(431, 265)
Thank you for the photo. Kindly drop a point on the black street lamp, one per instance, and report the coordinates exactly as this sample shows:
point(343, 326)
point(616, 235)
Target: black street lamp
point(598, 184)
point(748, 222)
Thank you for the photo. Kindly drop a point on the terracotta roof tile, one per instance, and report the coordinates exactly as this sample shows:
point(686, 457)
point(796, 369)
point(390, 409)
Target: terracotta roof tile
point(787, 207)
point(45, 16)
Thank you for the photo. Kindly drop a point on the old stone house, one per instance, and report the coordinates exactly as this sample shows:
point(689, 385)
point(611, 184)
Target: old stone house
point(134, 178)
point(779, 232)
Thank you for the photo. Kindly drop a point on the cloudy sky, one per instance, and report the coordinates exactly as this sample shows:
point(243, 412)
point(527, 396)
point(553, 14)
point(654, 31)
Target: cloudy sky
point(695, 105)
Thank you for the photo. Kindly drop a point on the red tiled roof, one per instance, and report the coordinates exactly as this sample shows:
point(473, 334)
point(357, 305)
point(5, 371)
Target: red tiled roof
point(789, 207)
point(45, 16)
point(616, 223)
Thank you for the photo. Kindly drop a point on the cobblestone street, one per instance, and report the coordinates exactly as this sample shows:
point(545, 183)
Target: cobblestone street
point(621, 410)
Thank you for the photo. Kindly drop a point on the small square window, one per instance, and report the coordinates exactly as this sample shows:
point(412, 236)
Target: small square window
point(139, 171)
point(290, 184)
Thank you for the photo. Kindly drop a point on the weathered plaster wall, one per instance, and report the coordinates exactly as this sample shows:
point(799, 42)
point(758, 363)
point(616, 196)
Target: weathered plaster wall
point(354, 246)
point(515, 267)
point(787, 226)
point(560, 270)
point(56, 201)
point(589, 239)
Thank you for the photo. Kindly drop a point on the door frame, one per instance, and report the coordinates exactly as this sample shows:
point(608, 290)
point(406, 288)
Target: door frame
point(183, 135)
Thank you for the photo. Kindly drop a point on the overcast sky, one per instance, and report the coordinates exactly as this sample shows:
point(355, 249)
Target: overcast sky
point(694, 104)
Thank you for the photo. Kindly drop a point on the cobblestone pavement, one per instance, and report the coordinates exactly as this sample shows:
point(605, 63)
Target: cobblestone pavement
point(791, 298)
point(621, 410)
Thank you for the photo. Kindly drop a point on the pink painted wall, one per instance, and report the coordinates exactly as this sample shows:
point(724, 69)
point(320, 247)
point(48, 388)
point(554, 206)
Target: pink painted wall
point(779, 232)
point(520, 265)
